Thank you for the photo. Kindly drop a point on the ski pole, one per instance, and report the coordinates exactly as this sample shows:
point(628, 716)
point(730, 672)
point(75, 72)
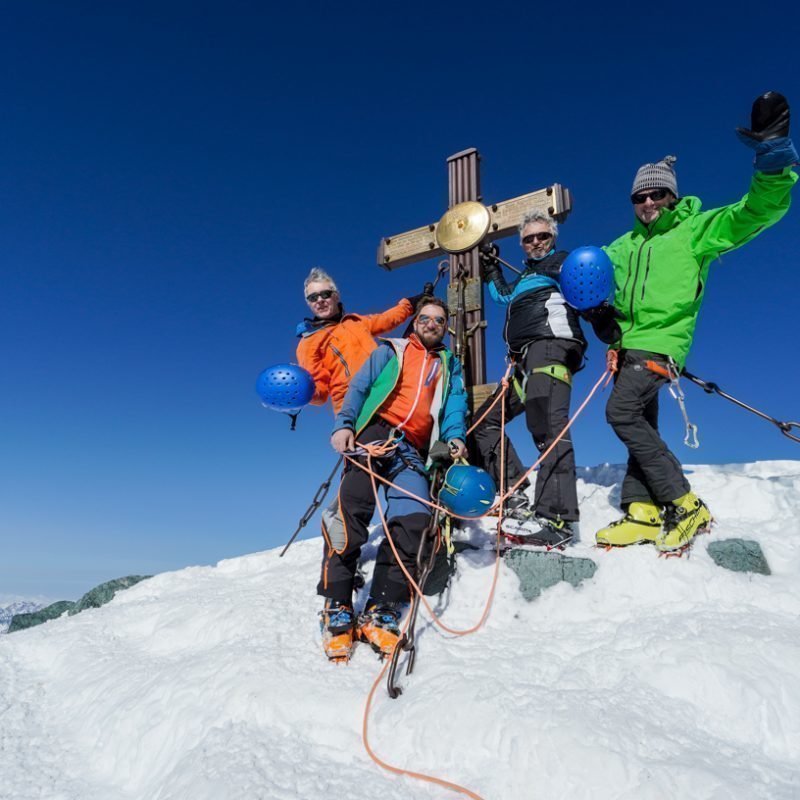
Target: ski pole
point(315, 504)
point(709, 387)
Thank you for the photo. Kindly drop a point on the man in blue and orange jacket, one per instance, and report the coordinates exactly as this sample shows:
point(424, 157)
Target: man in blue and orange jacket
point(412, 392)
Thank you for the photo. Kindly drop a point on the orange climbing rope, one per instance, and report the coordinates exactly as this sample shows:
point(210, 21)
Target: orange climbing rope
point(369, 449)
point(376, 450)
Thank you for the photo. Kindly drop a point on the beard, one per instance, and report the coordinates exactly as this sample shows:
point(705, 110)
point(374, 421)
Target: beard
point(430, 338)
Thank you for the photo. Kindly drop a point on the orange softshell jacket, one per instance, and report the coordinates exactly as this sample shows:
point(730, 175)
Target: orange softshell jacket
point(335, 352)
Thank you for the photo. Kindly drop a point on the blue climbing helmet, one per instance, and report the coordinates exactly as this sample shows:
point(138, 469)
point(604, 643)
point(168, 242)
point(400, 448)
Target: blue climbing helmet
point(285, 387)
point(587, 277)
point(467, 491)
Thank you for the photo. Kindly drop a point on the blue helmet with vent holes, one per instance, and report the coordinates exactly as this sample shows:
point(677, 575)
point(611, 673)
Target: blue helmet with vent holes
point(467, 491)
point(285, 387)
point(587, 277)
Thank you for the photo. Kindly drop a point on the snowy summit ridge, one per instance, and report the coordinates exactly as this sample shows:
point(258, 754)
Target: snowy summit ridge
point(657, 678)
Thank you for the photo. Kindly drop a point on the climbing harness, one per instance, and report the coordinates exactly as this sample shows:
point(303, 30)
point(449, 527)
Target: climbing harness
point(559, 372)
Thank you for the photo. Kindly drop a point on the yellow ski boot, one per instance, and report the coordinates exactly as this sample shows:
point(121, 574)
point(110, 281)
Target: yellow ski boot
point(683, 518)
point(641, 523)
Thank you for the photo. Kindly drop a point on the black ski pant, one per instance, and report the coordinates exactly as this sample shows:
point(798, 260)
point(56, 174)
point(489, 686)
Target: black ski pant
point(546, 408)
point(484, 441)
point(654, 474)
point(406, 518)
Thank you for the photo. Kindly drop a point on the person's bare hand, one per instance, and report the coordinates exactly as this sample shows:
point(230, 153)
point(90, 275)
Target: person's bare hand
point(343, 440)
point(457, 449)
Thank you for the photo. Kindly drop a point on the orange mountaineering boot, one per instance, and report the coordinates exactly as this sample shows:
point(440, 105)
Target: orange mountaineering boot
point(379, 626)
point(337, 622)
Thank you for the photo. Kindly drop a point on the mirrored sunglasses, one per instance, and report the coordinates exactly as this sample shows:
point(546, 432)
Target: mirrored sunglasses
point(325, 294)
point(544, 236)
point(424, 319)
point(641, 197)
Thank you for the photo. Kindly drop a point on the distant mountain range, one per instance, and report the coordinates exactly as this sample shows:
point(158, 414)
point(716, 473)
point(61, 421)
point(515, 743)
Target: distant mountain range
point(20, 607)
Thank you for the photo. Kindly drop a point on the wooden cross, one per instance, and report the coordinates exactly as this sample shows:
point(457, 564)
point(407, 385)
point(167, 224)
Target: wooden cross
point(465, 292)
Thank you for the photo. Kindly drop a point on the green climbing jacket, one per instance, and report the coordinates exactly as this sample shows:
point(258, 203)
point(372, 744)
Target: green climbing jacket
point(660, 272)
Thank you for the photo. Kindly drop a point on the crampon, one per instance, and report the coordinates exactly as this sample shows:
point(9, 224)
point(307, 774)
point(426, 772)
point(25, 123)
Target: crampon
point(685, 550)
point(534, 534)
point(511, 542)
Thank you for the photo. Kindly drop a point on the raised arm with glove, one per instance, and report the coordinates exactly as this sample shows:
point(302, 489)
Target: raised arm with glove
point(768, 133)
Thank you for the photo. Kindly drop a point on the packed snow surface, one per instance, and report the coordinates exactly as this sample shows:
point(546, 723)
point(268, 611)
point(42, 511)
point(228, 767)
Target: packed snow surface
point(658, 678)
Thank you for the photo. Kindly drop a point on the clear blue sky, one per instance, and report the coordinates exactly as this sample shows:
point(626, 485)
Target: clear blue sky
point(171, 171)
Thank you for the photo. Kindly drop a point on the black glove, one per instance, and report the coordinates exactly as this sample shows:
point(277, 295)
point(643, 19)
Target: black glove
point(490, 266)
point(427, 291)
point(768, 134)
point(603, 319)
point(440, 453)
point(769, 118)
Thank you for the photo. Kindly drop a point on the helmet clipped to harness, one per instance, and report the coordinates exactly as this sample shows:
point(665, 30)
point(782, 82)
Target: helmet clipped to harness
point(467, 491)
point(587, 277)
point(285, 388)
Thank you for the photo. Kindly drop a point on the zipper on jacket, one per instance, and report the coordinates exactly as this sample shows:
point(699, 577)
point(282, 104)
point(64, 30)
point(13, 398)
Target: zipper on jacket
point(636, 275)
point(628, 279)
point(419, 392)
point(341, 358)
point(647, 271)
point(633, 287)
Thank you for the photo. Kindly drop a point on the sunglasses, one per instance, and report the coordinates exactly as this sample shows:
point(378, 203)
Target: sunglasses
point(641, 197)
point(437, 320)
point(537, 237)
point(325, 294)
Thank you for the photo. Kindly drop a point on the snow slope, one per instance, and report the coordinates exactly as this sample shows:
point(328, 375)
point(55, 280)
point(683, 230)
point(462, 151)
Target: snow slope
point(656, 679)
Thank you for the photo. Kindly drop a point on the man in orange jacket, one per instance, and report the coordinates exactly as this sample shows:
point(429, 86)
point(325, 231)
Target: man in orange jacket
point(334, 345)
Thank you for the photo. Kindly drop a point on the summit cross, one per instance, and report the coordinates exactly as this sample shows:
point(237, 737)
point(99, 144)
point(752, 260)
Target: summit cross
point(465, 291)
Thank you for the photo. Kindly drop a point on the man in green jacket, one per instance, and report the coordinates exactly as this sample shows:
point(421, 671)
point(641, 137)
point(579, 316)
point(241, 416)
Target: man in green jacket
point(660, 273)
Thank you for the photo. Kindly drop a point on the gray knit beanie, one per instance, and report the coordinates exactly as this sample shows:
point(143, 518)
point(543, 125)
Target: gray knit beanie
point(660, 175)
